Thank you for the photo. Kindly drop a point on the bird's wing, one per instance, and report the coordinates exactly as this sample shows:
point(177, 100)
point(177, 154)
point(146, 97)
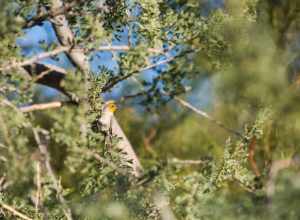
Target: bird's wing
point(109, 122)
point(126, 146)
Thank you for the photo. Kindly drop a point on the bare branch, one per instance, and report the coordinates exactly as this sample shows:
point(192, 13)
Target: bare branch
point(14, 211)
point(200, 112)
point(54, 68)
point(34, 107)
point(126, 48)
point(42, 74)
point(207, 116)
point(120, 79)
point(42, 106)
point(188, 162)
point(34, 59)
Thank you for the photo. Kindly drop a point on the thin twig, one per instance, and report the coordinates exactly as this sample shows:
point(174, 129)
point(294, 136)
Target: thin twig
point(56, 184)
point(207, 116)
point(188, 162)
point(55, 68)
point(14, 211)
point(42, 74)
point(200, 112)
point(126, 48)
point(118, 80)
point(34, 59)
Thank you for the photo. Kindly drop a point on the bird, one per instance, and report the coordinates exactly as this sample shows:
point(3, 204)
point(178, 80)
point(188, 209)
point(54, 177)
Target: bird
point(108, 110)
point(110, 124)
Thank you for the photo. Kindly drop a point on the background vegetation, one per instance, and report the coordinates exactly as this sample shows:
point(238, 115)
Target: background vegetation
point(208, 93)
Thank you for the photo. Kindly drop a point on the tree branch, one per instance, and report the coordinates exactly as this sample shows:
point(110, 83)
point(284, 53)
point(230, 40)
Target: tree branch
point(126, 48)
point(34, 59)
point(14, 211)
point(251, 156)
point(42, 106)
point(201, 113)
point(96, 156)
point(120, 79)
point(66, 38)
point(188, 162)
point(56, 184)
point(43, 15)
point(207, 116)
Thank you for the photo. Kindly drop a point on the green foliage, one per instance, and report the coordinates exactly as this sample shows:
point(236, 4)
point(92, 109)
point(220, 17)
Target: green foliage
point(59, 159)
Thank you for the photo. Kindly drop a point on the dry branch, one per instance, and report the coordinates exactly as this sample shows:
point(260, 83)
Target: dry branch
point(188, 162)
point(207, 116)
point(14, 211)
point(126, 48)
point(42, 106)
point(196, 110)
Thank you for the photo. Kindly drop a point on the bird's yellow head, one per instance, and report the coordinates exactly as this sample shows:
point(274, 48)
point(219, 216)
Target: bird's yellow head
point(111, 106)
